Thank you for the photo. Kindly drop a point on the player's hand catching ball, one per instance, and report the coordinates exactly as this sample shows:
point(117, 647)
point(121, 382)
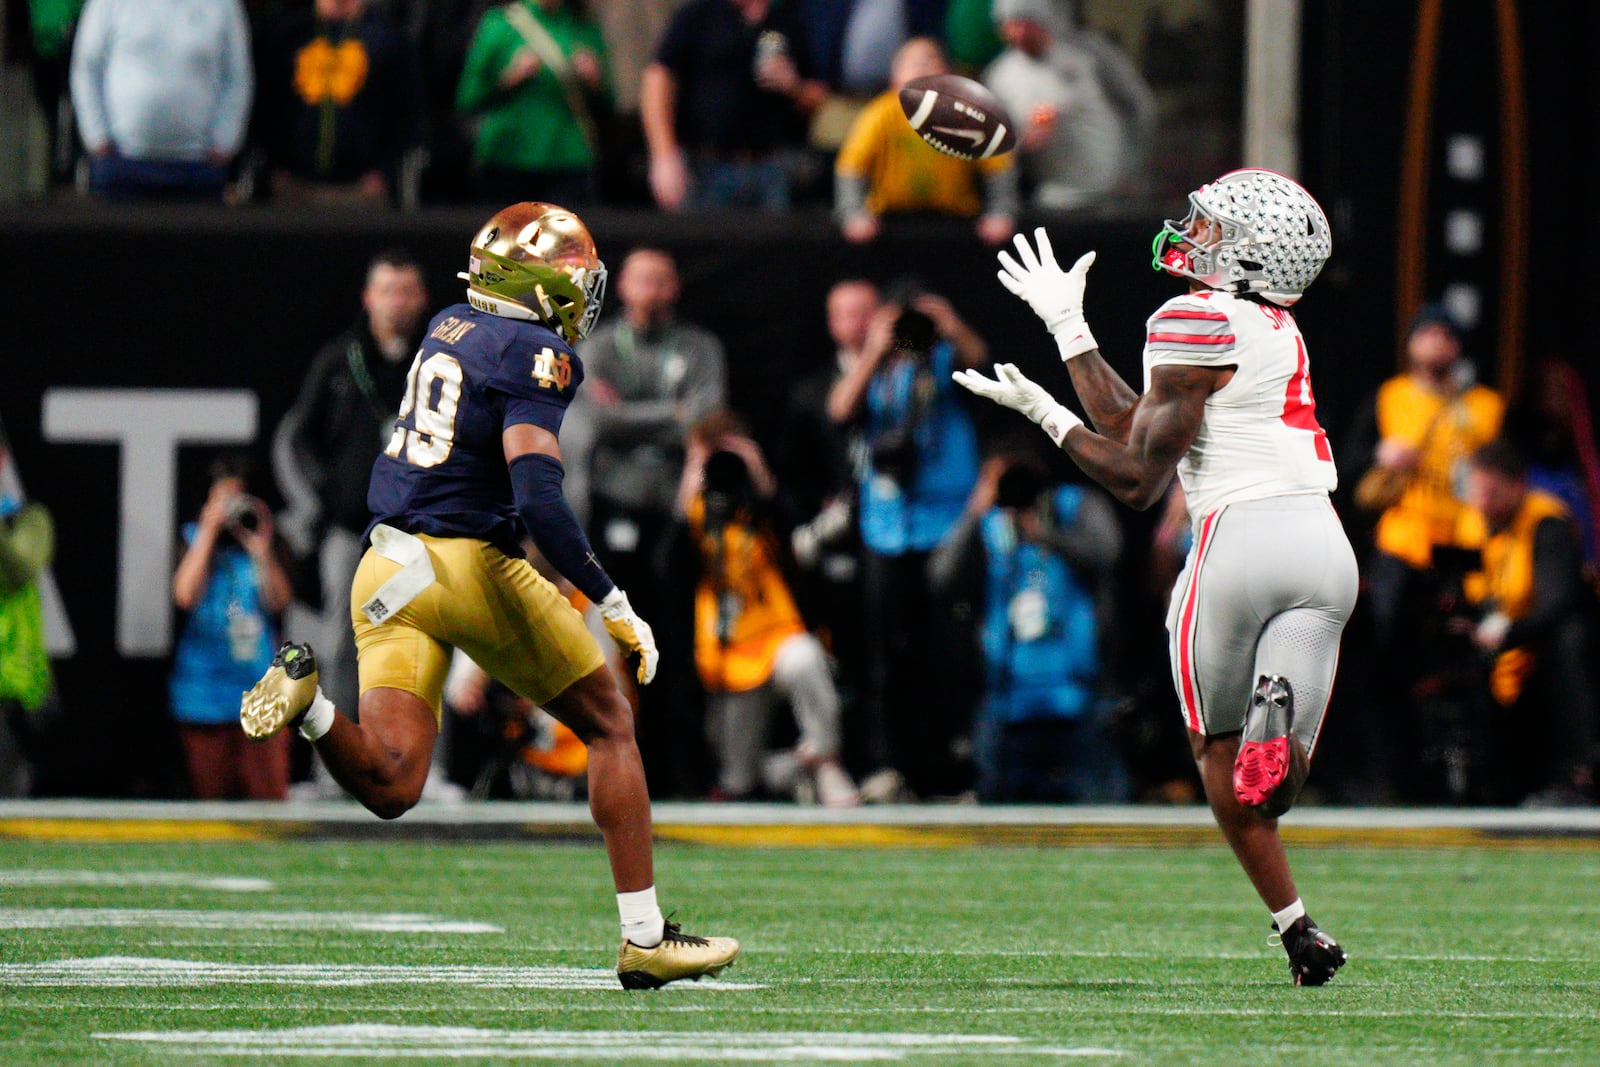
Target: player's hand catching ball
point(1012, 389)
point(1055, 295)
point(630, 632)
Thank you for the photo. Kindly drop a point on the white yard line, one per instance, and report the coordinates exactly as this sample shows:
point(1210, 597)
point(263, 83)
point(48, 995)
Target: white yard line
point(385, 922)
point(367, 1041)
point(140, 972)
point(27, 879)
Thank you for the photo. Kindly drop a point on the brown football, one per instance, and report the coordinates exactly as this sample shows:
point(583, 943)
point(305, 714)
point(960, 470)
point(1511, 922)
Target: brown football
point(958, 116)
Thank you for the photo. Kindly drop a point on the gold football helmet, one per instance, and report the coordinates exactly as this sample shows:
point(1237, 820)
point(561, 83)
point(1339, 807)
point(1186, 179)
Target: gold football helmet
point(537, 261)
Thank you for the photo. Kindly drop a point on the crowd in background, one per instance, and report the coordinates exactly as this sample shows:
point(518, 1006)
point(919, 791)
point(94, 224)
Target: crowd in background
point(682, 105)
point(870, 600)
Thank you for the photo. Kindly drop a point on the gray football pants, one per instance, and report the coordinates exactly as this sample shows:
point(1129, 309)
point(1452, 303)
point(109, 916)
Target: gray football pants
point(1268, 589)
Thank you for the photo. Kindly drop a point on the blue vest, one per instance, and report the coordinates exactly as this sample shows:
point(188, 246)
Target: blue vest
point(1040, 635)
point(227, 642)
point(896, 519)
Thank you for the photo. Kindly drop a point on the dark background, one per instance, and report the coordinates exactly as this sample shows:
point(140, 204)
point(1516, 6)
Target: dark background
point(99, 296)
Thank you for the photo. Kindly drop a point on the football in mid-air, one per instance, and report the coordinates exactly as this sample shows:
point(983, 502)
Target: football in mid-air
point(958, 116)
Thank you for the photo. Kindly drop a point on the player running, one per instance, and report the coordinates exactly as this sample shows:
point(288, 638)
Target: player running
point(473, 466)
point(1258, 612)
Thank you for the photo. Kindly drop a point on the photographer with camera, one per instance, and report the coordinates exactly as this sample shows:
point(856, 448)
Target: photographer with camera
point(919, 465)
point(233, 586)
point(752, 646)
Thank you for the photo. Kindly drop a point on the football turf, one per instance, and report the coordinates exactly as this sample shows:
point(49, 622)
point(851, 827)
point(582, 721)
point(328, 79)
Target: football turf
point(271, 950)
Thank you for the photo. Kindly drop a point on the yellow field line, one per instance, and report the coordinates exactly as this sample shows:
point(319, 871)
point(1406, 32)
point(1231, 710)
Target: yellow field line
point(829, 835)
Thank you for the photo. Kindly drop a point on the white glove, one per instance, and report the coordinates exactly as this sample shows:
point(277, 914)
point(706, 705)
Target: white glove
point(1055, 295)
point(1012, 389)
point(631, 633)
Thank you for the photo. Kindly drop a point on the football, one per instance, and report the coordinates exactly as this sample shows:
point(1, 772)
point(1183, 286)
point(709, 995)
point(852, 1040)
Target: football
point(958, 116)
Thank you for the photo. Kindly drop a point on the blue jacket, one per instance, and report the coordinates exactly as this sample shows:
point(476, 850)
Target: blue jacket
point(226, 644)
point(897, 519)
point(1040, 636)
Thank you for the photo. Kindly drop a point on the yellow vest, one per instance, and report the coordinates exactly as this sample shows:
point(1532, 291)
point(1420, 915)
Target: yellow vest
point(742, 607)
point(1507, 579)
point(1429, 513)
point(905, 173)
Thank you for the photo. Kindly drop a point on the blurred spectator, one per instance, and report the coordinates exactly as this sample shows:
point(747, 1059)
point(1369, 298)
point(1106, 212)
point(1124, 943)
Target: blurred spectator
point(232, 586)
point(751, 645)
point(1537, 623)
point(325, 444)
point(1036, 558)
point(815, 461)
point(536, 87)
point(885, 168)
point(1086, 115)
point(51, 25)
point(340, 103)
point(920, 467)
point(1416, 433)
point(162, 95)
point(29, 705)
point(725, 106)
point(1553, 428)
point(649, 375)
point(969, 35)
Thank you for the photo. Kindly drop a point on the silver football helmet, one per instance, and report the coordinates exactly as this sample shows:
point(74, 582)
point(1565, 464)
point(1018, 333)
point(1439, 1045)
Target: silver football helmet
point(1266, 235)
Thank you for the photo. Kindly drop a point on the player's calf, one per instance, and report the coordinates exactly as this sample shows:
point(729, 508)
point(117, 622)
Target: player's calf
point(1272, 764)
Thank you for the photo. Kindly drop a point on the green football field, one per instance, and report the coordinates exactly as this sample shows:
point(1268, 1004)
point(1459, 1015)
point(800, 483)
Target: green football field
point(212, 942)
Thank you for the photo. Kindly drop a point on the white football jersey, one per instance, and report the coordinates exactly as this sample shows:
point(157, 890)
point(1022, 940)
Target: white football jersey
point(1259, 435)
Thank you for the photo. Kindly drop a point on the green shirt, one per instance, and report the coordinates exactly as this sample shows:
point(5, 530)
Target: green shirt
point(531, 127)
point(27, 542)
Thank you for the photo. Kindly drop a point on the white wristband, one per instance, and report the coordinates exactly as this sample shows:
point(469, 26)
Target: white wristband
point(1073, 338)
point(1058, 422)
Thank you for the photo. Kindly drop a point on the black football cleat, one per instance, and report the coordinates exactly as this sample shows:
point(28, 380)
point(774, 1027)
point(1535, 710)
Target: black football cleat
point(1313, 955)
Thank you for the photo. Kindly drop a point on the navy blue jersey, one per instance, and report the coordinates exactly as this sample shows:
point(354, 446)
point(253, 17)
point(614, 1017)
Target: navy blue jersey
point(444, 470)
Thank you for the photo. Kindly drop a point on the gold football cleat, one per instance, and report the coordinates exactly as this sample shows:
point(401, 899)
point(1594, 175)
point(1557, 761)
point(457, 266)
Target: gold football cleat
point(679, 955)
point(283, 694)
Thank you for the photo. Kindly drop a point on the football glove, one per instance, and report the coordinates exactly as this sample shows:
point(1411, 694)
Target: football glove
point(1055, 295)
point(631, 633)
point(1012, 389)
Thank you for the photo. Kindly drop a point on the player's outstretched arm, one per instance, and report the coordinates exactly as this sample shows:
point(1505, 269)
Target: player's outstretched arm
point(1163, 426)
point(533, 458)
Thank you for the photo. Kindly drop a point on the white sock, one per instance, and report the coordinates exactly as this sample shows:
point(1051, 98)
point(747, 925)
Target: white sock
point(1288, 915)
point(641, 917)
point(318, 718)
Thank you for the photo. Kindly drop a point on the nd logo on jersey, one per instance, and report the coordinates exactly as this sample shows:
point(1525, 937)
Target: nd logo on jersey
point(552, 369)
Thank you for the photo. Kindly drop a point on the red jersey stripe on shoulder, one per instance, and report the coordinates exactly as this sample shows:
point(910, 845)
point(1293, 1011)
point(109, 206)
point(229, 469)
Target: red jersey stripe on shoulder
point(1187, 313)
point(1190, 339)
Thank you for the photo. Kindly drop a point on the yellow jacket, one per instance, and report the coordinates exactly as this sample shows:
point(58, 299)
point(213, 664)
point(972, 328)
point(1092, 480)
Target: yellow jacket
point(903, 172)
point(1506, 581)
point(743, 609)
point(1429, 513)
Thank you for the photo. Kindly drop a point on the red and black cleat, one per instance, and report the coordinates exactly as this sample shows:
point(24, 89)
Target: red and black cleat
point(1272, 764)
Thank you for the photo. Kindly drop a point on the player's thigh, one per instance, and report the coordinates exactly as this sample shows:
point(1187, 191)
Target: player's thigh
point(406, 651)
point(1320, 578)
point(1212, 629)
point(518, 627)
